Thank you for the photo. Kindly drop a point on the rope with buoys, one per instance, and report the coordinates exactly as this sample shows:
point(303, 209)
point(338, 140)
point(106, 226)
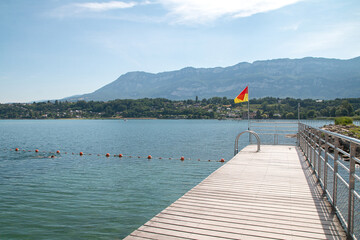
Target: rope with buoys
point(107, 155)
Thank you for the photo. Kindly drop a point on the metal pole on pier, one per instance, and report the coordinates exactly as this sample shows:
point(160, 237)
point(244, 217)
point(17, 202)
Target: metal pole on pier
point(249, 117)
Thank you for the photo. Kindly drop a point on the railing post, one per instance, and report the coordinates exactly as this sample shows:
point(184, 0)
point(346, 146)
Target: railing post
point(313, 155)
point(301, 138)
point(351, 190)
point(298, 136)
point(336, 157)
point(305, 143)
point(326, 161)
point(308, 145)
point(319, 156)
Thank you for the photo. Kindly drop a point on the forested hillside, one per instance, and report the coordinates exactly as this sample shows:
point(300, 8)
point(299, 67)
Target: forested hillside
point(212, 108)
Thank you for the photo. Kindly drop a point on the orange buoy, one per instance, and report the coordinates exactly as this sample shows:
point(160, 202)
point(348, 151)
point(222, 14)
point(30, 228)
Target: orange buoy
point(57, 151)
point(16, 149)
point(149, 157)
point(182, 158)
point(36, 150)
point(81, 153)
point(222, 160)
point(108, 155)
point(120, 155)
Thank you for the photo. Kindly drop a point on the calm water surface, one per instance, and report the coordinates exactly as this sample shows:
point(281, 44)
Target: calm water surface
point(94, 197)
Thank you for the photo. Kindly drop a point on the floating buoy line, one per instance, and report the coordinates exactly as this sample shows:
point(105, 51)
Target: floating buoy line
point(57, 153)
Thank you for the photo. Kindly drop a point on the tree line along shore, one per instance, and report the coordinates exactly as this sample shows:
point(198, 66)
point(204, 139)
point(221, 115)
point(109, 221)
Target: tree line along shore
point(160, 108)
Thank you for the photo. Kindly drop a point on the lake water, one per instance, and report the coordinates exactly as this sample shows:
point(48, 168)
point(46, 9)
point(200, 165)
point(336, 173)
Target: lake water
point(95, 197)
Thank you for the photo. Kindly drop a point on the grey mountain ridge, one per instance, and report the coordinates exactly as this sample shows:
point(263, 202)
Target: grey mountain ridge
point(316, 78)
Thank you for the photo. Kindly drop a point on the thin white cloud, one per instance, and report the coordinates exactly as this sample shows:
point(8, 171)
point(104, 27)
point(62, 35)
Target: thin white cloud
point(202, 11)
point(182, 11)
point(291, 27)
point(79, 9)
point(104, 6)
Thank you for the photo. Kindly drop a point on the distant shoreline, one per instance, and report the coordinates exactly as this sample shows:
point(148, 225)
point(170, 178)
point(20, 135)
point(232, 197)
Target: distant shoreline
point(148, 118)
point(82, 119)
point(213, 108)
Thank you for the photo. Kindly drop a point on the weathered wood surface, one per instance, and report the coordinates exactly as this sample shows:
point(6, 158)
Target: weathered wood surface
point(271, 194)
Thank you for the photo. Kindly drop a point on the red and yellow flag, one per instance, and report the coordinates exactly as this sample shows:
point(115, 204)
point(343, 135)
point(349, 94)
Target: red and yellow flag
point(243, 96)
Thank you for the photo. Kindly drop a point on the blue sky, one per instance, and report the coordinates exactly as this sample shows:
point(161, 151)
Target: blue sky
point(51, 49)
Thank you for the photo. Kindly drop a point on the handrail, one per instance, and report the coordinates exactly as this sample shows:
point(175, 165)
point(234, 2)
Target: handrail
point(322, 150)
point(278, 129)
point(236, 148)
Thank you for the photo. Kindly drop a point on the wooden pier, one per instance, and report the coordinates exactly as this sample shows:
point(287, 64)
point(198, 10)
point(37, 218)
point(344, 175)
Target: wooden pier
point(271, 194)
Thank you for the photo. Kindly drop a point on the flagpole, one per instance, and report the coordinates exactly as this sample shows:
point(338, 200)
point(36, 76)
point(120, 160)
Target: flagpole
point(243, 97)
point(249, 114)
point(249, 117)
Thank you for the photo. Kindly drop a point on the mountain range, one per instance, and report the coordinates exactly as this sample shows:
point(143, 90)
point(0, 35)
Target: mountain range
point(315, 78)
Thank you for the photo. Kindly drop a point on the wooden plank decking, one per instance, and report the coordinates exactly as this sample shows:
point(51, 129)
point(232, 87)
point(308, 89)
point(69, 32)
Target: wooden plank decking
point(271, 194)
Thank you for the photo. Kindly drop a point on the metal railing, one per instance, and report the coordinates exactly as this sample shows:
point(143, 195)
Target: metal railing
point(236, 148)
point(275, 132)
point(333, 159)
